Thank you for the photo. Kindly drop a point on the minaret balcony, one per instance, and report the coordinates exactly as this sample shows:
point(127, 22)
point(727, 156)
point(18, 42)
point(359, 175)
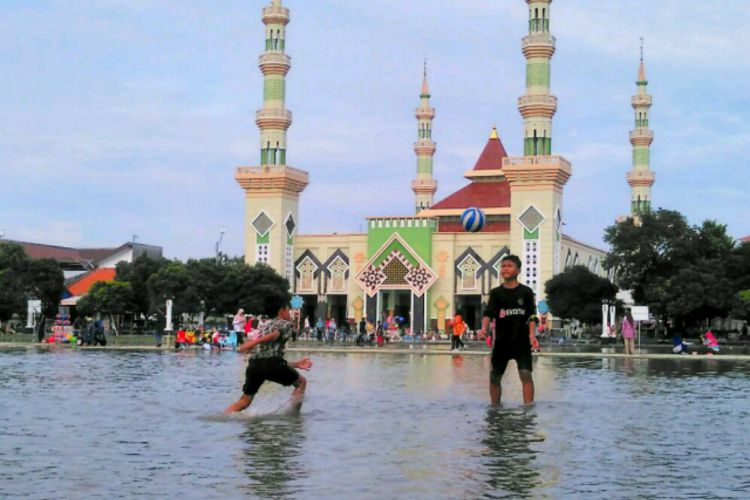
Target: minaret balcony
point(641, 137)
point(276, 15)
point(425, 113)
point(424, 186)
point(538, 45)
point(641, 178)
point(425, 147)
point(275, 63)
point(537, 105)
point(272, 177)
point(273, 119)
point(641, 101)
point(552, 171)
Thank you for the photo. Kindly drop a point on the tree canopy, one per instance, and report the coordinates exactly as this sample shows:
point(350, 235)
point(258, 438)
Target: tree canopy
point(22, 278)
point(688, 273)
point(578, 294)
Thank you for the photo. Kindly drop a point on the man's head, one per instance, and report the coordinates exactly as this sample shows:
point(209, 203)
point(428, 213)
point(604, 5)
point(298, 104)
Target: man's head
point(510, 267)
point(276, 305)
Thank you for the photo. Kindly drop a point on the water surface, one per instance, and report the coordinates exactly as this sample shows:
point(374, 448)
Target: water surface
point(110, 424)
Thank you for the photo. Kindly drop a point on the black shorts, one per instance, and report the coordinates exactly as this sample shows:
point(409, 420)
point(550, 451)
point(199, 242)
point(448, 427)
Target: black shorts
point(273, 369)
point(502, 354)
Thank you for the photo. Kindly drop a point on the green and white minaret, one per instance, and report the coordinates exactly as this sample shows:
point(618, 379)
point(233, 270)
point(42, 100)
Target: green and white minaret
point(274, 120)
point(641, 177)
point(424, 185)
point(538, 107)
point(537, 178)
point(272, 188)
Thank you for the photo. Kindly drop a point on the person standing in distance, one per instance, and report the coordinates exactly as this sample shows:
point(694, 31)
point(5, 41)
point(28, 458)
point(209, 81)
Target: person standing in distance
point(512, 307)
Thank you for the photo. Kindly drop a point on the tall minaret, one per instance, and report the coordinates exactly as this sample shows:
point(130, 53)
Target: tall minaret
point(538, 107)
point(537, 179)
point(424, 186)
point(641, 177)
point(272, 189)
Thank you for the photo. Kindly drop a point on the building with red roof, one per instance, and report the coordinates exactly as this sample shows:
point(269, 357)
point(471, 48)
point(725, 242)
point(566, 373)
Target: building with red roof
point(83, 267)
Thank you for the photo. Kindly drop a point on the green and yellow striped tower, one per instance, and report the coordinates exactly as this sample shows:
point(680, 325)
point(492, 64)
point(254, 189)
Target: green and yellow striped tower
point(274, 120)
point(538, 107)
point(424, 185)
point(537, 179)
point(272, 189)
point(641, 177)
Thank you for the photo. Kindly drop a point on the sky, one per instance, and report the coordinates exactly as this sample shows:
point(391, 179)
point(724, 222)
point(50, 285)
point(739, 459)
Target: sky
point(122, 118)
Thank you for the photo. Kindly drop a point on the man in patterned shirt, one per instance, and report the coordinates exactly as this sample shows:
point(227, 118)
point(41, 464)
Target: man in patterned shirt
point(268, 363)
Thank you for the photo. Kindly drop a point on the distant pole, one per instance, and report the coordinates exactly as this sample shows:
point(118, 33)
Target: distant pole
point(135, 237)
point(168, 327)
point(218, 242)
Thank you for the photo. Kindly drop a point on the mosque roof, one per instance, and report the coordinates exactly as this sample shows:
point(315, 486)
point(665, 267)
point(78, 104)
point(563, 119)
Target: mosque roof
point(494, 194)
point(492, 155)
point(491, 192)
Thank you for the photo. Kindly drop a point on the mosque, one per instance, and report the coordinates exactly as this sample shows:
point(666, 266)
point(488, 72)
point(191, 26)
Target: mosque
point(425, 266)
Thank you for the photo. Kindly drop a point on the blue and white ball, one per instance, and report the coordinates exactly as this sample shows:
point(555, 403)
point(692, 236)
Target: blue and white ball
point(472, 219)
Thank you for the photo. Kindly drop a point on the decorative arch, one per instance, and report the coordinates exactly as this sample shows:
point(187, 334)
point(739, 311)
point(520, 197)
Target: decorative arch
point(395, 265)
point(469, 269)
point(307, 269)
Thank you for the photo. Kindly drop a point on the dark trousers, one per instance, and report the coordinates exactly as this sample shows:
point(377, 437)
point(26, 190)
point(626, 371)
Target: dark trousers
point(456, 342)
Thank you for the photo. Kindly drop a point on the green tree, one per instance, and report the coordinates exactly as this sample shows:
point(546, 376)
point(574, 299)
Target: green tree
point(648, 253)
point(137, 274)
point(22, 278)
point(680, 271)
point(252, 288)
point(173, 281)
point(109, 298)
point(13, 266)
point(578, 294)
point(45, 281)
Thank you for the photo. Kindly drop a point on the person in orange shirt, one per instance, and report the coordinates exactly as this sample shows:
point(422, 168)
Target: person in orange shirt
point(459, 328)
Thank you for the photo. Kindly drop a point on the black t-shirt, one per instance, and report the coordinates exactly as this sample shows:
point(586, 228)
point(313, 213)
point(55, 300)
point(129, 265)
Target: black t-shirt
point(512, 309)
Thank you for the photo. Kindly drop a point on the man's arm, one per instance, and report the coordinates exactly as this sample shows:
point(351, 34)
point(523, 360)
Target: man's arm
point(532, 335)
point(531, 314)
point(489, 314)
point(485, 327)
point(250, 344)
point(303, 364)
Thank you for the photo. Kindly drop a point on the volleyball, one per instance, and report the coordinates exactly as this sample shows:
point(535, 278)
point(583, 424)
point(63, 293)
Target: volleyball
point(472, 219)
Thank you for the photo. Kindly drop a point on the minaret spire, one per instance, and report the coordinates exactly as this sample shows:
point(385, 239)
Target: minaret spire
point(538, 107)
point(424, 186)
point(641, 177)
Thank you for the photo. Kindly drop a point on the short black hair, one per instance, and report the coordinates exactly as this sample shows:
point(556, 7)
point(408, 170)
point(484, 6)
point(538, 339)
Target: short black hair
point(514, 259)
point(274, 302)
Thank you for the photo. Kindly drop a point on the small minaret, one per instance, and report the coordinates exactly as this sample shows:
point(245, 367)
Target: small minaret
point(641, 177)
point(424, 186)
point(272, 189)
point(538, 107)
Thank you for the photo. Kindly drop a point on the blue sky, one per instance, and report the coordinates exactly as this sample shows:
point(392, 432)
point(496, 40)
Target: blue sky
point(121, 118)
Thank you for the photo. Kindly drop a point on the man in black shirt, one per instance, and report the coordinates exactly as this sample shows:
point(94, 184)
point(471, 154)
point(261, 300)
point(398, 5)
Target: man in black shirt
point(512, 308)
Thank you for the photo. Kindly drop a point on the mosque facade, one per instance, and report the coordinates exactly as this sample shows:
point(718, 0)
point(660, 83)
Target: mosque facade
point(424, 266)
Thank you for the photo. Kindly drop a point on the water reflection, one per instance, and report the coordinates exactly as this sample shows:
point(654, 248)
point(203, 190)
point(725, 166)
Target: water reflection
point(271, 456)
point(508, 462)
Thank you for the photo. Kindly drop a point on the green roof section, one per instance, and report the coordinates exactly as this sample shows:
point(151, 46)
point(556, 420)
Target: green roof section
point(416, 232)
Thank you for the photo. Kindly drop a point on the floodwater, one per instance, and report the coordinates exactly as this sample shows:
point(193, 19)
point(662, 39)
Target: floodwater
point(108, 424)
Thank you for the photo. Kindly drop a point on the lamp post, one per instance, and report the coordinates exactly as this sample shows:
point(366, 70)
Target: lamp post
point(218, 242)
